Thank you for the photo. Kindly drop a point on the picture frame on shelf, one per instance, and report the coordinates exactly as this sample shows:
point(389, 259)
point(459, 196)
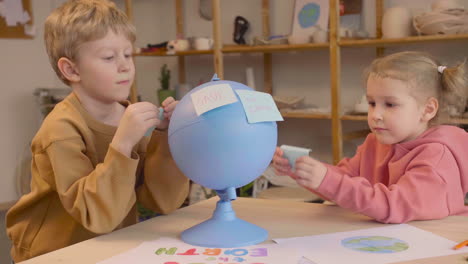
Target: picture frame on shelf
point(309, 15)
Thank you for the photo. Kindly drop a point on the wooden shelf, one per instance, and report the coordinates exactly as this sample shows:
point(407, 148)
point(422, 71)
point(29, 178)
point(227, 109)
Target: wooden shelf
point(459, 121)
point(306, 115)
point(400, 41)
point(181, 53)
point(354, 117)
point(242, 49)
point(453, 121)
point(315, 46)
point(273, 48)
point(334, 48)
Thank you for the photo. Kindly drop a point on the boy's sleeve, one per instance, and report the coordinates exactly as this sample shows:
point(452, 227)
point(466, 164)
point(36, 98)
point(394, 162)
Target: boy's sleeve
point(98, 198)
point(165, 187)
point(420, 193)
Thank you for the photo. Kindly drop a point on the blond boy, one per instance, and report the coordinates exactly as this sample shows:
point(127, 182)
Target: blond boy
point(91, 162)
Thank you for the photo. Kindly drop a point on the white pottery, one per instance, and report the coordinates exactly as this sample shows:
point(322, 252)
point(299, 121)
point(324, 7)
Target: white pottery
point(397, 22)
point(445, 4)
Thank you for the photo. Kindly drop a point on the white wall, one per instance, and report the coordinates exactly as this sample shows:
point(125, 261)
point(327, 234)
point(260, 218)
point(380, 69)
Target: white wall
point(24, 67)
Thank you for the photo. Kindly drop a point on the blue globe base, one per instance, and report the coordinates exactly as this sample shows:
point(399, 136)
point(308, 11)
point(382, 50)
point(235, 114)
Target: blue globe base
point(224, 230)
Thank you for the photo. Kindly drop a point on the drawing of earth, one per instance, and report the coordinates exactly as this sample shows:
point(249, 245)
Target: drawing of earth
point(375, 244)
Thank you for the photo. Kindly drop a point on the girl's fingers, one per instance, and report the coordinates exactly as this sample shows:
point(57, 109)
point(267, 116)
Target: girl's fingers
point(280, 161)
point(282, 168)
point(279, 151)
point(306, 160)
point(304, 167)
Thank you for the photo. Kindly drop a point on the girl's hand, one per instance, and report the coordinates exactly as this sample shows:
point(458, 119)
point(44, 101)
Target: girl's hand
point(169, 104)
point(309, 172)
point(280, 163)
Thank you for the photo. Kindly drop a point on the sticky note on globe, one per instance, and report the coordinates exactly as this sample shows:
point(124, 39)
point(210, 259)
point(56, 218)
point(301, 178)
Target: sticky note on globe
point(259, 107)
point(212, 97)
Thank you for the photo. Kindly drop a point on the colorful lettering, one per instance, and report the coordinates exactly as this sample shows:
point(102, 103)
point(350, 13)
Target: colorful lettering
point(238, 259)
point(161, 251)
point(237, 252)
point(212, 251)
point(189, 252)
point(259, 252)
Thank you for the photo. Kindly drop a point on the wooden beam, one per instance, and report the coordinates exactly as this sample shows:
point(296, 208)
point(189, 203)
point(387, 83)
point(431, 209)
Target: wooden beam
point(181, 69)
point(266, 18)
point(335, 73)
point(268, 73)
point(379, 9)
point(129, 12)
point(179, 18)
point(217, 39)
point(267, 57)
point(180, 34)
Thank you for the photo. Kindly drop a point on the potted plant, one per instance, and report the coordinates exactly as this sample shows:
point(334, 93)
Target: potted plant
point(164, 80)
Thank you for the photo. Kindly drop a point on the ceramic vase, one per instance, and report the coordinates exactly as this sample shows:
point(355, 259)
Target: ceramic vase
point(397, 23)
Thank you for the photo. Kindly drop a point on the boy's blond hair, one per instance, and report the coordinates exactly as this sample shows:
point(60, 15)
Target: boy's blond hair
point(425, 79)
point(80, 21)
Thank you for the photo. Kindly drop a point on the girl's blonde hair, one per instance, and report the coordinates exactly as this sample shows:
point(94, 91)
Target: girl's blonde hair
point(80, 21)
point(426, 79)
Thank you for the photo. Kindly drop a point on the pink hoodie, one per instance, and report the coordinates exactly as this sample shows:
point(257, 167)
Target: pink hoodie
point(422, 179)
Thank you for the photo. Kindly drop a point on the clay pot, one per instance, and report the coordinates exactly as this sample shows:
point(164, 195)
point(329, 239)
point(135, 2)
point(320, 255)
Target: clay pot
point(397, 23)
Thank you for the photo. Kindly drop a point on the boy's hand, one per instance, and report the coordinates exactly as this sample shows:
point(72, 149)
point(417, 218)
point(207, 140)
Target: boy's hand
point(309, 173)
point(136, 120)
point(168, 105)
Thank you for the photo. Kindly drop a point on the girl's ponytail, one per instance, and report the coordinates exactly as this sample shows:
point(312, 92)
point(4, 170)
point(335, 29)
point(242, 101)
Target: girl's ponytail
point(454, 88)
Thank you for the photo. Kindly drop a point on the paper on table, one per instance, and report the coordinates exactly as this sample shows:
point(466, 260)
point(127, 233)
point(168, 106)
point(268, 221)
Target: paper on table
point(212, 97)
point(259, 107)
point(409, 243)
point(174, 251)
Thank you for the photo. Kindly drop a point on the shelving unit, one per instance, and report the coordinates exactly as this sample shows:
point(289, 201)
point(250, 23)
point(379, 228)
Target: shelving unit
point(335, 44)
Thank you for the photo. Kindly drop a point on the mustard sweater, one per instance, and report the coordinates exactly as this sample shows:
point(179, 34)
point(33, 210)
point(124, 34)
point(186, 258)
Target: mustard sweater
point(82, 187)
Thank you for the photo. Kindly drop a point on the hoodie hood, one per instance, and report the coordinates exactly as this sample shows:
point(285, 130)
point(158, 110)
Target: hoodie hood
point(456, 140)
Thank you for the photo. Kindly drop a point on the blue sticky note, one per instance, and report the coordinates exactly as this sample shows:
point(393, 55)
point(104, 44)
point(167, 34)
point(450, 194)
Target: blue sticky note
point(160, 117)
point(259, 107)
point(161, 114)
point(292, 153)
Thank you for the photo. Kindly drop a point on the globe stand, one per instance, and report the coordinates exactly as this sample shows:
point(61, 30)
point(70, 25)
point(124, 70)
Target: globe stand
point(224, 229)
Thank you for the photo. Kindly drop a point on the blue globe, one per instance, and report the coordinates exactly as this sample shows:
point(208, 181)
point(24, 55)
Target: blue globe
point(220, 149)
point(309, 15)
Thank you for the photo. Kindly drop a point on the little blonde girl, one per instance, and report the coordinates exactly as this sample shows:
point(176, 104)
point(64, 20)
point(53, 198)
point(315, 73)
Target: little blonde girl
point(410, 167)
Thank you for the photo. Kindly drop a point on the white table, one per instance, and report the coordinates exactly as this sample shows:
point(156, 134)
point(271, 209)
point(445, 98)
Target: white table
point(281, 218)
